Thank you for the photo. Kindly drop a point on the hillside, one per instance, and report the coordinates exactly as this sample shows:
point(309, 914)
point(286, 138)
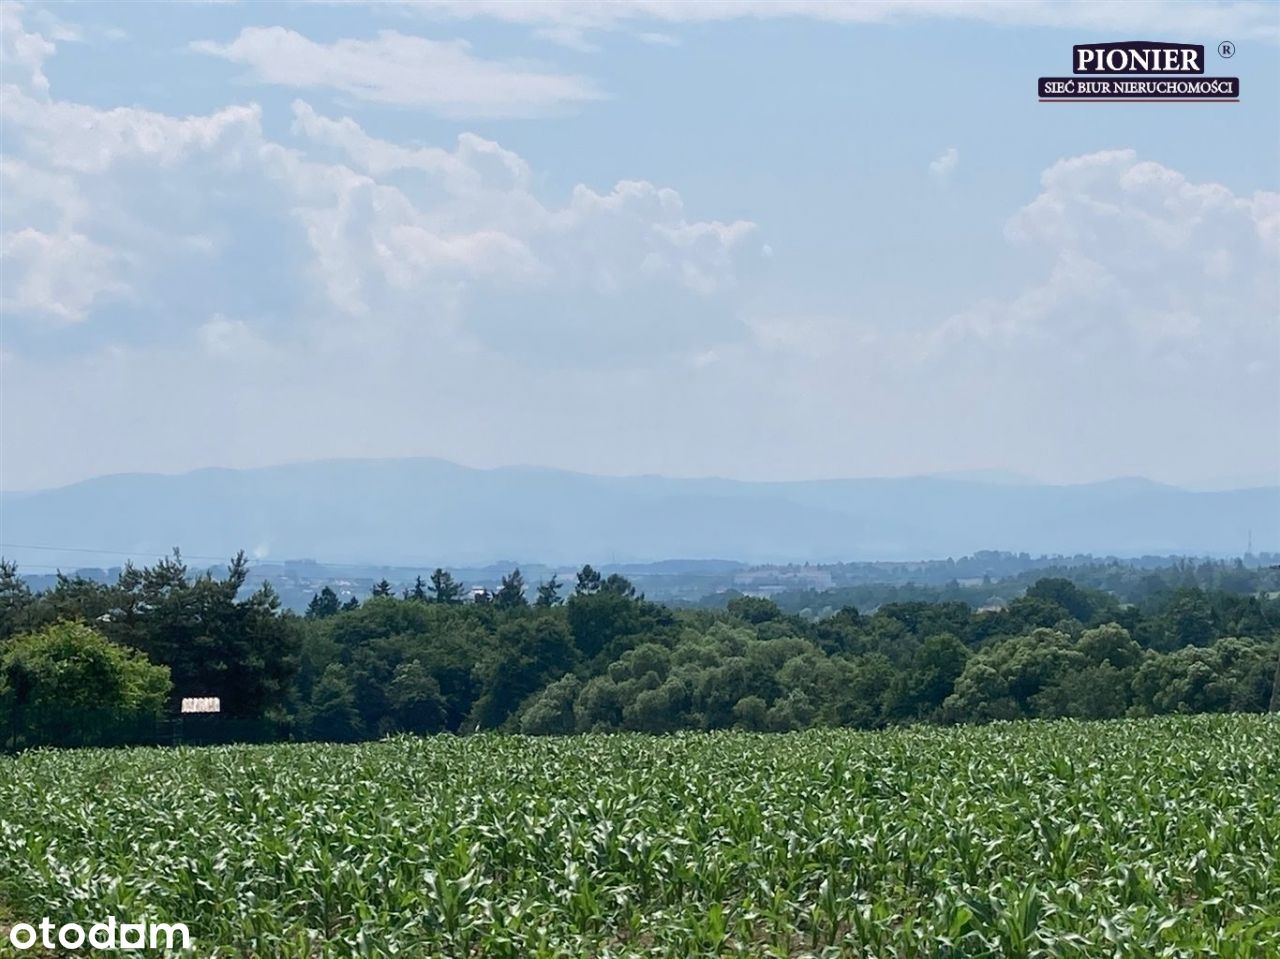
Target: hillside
point(417, 511)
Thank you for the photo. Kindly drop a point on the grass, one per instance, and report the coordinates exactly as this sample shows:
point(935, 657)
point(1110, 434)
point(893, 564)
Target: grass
point(1124, 839)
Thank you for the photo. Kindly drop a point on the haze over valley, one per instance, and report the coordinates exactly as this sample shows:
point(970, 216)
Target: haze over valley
point(424, 511)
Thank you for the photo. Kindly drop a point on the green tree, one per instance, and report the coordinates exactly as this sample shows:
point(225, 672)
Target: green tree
point(381, 588)
point(551, 713)
point(333, 715)
point(1110, 644)
point(419, 591)
point(67, 685)
point(530, 652)
point(214, 643)
point(511, 594)
point(323, 604)
point(416, 701)
point(752, 713)
point(588, 581)
point(1187, 620)
point(1065, 594)
point(618, 585)
point(792, 712)
point(15, 600)
point(444, 589)
point(548, 593)
point(921, 690)
point(754, 609)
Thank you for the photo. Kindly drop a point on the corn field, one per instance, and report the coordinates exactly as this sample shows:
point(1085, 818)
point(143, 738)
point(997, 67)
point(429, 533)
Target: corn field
point(1123, 839)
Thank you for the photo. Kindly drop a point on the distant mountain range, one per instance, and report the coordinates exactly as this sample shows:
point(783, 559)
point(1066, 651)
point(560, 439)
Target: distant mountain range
point(428, 511)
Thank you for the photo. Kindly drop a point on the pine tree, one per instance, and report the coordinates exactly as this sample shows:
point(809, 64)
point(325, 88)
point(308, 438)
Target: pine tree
point(588, 581)
point(444, 588)
point(548, 593)
point(511, 594)
point(323, 604)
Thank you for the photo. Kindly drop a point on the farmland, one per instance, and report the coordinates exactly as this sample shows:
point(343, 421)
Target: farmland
point(1129, 839)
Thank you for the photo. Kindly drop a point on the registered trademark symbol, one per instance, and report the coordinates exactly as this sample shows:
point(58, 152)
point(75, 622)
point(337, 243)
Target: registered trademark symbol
point(1226, 49)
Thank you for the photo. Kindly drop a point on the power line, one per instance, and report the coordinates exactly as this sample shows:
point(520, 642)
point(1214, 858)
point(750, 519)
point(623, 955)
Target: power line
point(101, 552)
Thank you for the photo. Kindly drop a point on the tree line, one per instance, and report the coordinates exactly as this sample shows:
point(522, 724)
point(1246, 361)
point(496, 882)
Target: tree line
point(1130, 581)
point(86, 663)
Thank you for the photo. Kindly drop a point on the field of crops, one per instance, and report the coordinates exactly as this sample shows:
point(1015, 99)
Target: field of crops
point(1133, 839)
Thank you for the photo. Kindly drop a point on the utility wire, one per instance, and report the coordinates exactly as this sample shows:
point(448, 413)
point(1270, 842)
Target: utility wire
point(101, 552)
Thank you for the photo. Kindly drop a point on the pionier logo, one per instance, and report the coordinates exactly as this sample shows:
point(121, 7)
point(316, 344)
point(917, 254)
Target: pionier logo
point(1136, 70)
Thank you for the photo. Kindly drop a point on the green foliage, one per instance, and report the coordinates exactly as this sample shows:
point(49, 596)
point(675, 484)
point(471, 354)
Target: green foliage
point(551, 713)
point(323, 604)
point(416, 702)
point(754, 609)
point(608, 660)
point(1126, 840)
point(511, 594)
point(588, 581)
point(67, 685)
point(444, 588)
point(332, 714)
point(548, 593)
point(529, 653)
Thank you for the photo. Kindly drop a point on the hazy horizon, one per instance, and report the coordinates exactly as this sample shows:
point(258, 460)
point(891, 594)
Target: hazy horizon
point(996, 477)
point(416, 509)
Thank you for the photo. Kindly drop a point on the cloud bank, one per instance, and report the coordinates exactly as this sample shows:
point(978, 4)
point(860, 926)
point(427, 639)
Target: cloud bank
point(323, 291)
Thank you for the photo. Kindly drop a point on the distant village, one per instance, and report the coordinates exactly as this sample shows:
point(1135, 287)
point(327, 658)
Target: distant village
point(985, 580)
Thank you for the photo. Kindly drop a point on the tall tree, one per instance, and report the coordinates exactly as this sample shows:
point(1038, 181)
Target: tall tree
point(15, 598)
point(323, 604)
point(419, 591)
point(618, 585)
point(444, 588)
point(548, 593)
point(333, 714)
point(415, 699)
point(381, 588)
point(588, 581)
point(215, 644)
point(511, 594)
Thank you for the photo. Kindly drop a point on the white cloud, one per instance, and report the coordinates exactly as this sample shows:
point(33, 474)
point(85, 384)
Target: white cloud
point(942, 168)
point(567, 36)
point(22, 51)
point(104, 202)
point(404, 71)
point(474, 214)
point(85, 139)
point(222, 336)
point(658, 39)
point(309, 293)
point(1142, 262)
point(475, 164)
point(59, 275)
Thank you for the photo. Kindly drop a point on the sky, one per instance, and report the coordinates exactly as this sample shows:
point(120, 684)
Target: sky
point(759, 240)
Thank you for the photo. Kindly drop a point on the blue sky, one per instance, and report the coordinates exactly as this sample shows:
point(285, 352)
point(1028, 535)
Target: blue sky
point(758, 240)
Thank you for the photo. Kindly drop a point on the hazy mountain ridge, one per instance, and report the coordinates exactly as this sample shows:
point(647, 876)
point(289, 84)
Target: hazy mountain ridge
point(428, 511)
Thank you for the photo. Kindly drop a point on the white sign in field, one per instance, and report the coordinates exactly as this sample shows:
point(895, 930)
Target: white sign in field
point(202, 704)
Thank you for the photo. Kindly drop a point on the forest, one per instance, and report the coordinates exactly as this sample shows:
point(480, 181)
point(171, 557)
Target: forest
point(91, 663)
